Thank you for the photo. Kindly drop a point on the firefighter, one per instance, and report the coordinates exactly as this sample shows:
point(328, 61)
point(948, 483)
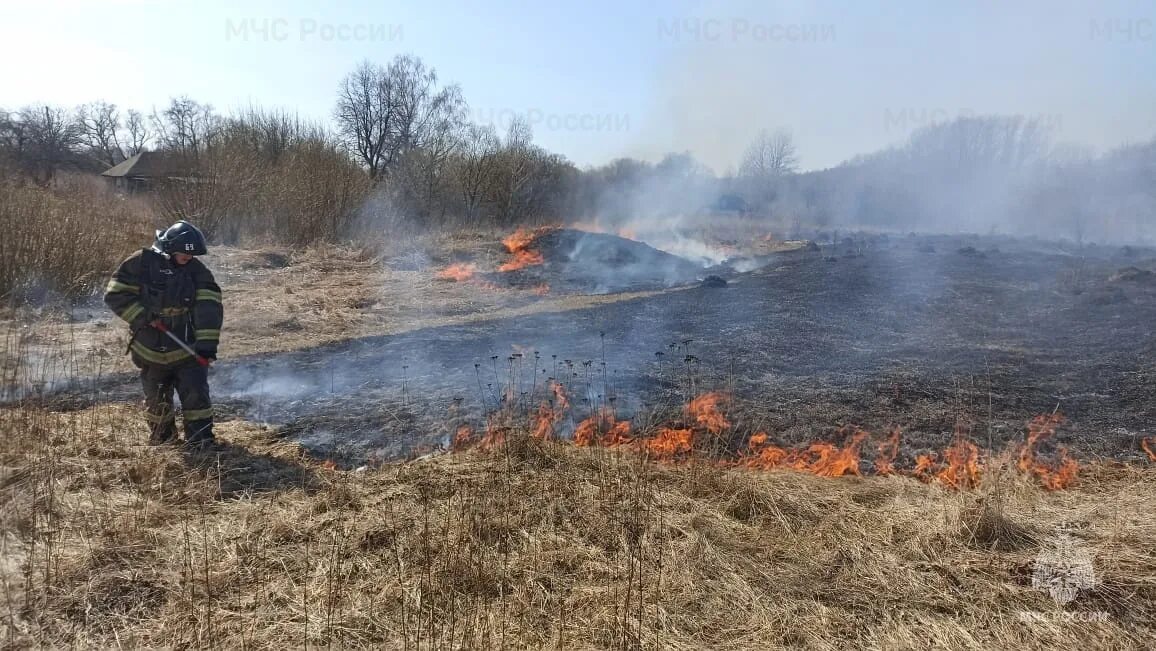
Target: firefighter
point(167, 285)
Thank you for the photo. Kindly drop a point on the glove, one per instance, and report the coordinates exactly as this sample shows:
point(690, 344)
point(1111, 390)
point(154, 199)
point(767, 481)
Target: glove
point(206, 351)
point(140, 323)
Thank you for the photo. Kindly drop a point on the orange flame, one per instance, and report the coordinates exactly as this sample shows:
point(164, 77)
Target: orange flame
point(521, 260)
point(761, 455)
point(958, 467)
point(826, 460)
point(461, 439)
point(888, 450)
point(602, 429)
point(457, 272)
point(544, 430)
point(520, 239)
point(495, 434)
point(669, 444)
point(1147, 443)
point(550, 414)
point(705, 410)
point(1053, 477)
point(962, 457)
point(559, 392)
point(518, 245)
point(619, 434)
point(924, 464)
point(822, 459)
point(329, 464)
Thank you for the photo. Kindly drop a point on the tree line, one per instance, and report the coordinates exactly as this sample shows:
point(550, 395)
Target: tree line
point(401, 151)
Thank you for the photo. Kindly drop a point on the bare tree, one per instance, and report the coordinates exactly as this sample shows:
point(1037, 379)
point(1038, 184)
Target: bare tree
point(767, 160)
point(514, 170)
point(435, 136)
point(770, 155)
point(384, 113)
point(13, 141)
point(137, 133)
point(268, 134)
point(100, 124)
point(365, 115)
point(186, 126)
point(474, 167)
point(40, 140)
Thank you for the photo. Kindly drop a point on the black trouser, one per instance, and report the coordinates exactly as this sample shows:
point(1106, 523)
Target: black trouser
point(191, 381)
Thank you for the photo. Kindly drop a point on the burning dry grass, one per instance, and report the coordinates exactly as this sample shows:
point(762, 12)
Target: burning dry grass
point(520, 246)
point(704, 429)
point(536, 544)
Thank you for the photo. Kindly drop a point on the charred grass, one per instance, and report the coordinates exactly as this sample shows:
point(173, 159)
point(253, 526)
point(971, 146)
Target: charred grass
point(109, 543)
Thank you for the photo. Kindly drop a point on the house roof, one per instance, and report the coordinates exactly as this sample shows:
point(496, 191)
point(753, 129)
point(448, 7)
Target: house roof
point(149, 164)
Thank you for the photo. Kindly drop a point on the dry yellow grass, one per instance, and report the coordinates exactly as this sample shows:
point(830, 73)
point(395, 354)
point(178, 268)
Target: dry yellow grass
point(108, 543)
point(56, 241)
point(111, 544)
point(279, 300)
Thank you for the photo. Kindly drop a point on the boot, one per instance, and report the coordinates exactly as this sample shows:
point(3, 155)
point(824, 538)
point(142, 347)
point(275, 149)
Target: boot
point(199, 436)
point(163, 434)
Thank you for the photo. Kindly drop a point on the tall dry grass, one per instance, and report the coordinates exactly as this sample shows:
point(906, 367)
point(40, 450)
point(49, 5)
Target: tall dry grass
point(65, 240)
point(109, 543)
point(269, 178)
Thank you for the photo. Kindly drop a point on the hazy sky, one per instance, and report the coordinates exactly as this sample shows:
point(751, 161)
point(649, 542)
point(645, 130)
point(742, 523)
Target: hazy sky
point(606, 78)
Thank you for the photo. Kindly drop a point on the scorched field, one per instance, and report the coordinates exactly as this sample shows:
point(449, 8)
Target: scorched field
point(574, 438)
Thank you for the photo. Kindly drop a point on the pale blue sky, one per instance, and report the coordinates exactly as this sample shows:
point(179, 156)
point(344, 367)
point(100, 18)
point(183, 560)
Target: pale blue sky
point(602, 79)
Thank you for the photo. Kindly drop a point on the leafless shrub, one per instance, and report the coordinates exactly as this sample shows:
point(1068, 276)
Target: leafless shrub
point(268, 177)
point(64, 240)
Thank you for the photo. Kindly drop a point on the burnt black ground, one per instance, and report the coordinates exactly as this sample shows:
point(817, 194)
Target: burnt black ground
point(920, 332)
point(598, 263)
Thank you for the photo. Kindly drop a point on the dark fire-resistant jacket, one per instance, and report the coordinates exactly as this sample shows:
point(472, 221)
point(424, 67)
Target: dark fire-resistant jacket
point(148, 286)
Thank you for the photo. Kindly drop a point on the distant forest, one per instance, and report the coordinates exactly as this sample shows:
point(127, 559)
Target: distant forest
point(402, 151)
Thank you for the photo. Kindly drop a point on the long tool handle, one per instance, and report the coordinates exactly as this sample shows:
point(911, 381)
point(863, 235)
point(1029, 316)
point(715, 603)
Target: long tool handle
point(159, 325)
